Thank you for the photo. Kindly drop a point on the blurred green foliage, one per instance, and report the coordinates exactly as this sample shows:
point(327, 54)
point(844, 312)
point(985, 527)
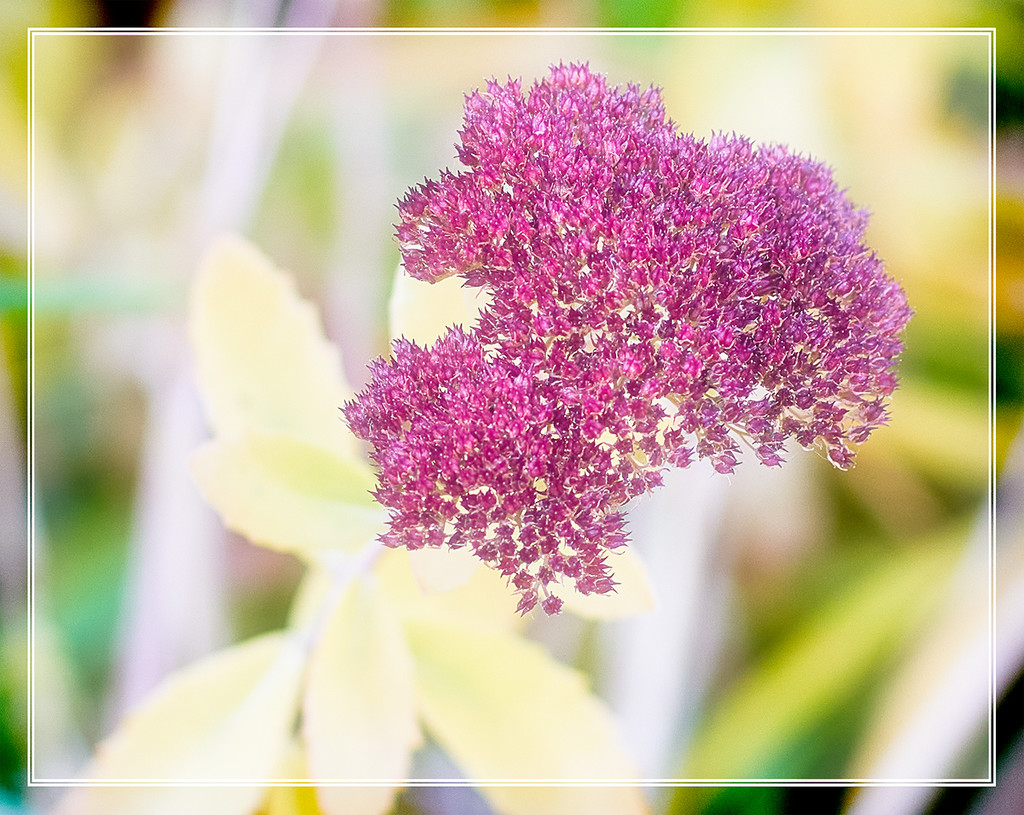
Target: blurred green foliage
point(797, 712)
point(303, 184)
point(12, 737)
point(640, 13)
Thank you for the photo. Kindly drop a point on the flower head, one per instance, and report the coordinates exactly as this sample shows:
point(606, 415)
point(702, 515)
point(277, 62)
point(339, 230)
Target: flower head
point(654, 299)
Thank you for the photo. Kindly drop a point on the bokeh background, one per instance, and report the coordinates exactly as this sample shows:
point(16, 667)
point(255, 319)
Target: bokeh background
point(811, 624)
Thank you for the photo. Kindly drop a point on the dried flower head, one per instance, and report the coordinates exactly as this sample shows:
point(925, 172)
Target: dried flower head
point(655, 298)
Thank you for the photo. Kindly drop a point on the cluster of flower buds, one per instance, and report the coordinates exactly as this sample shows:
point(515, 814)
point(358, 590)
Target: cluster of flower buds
point(654, 299)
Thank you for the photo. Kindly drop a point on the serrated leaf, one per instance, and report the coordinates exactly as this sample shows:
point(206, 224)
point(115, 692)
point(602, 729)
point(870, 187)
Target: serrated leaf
point(359, 711)
point(503, 709)
point(227, 717)
point(422, 311)
point(262, 360)
point(288, 495)
point(631, 597)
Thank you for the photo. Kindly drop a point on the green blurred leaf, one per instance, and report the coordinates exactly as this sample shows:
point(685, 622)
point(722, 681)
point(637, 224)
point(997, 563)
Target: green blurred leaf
point(746, 801)
point(13, 295)
point(87, 592)
point(941, 430)
point(639, 13)
point(303, 183)
point(938, 354)
point(78, 294)
point(13, 703)
point(818, 669)
point(288, 495)
point(934, 704)
point(67, 70)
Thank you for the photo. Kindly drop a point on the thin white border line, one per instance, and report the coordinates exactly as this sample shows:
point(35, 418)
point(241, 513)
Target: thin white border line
point(30, 415)
point(32, 781)
point(616, 32)
point(993, 668)
point(524, 782)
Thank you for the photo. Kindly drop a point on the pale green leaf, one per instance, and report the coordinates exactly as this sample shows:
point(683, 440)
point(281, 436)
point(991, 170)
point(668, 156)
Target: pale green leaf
point(443, 569)
point(820, 664)
point(423, 311)
point(262, 360)
point(359, 713)
point(632, 595)
point(288, 495)
point(310, 595)
point(503, 709)
point(161, 800)
point(485, 598)
point(228, 717)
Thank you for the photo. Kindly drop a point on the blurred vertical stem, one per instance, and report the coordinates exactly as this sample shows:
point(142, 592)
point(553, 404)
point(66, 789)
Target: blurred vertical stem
point(361, 250)
point(173, 602)
point(12, 581)
point(657, 701)
point(175, 594)
point(254, 100)
point(12, 496)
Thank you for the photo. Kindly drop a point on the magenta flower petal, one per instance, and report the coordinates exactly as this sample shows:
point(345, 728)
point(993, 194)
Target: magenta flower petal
point(655, 299)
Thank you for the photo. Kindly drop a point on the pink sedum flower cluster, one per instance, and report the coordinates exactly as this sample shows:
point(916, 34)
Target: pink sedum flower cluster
point(655, 299)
